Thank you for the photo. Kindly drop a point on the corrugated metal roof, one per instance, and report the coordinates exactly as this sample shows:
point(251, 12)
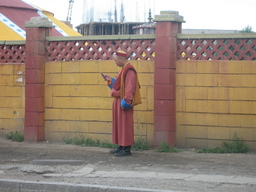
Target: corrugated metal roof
point(14, 14)
point(15, 4)
point(18, 16)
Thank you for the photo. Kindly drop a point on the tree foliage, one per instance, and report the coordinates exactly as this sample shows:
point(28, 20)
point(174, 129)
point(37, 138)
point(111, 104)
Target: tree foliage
point(247, 29)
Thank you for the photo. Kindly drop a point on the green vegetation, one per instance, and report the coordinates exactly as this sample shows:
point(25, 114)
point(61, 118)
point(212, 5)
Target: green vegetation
point(166, 148)
point(247, 29)
point(139, 144)
point(16, 136)
point(80, 140)
point(67, 140)
point(235, 146)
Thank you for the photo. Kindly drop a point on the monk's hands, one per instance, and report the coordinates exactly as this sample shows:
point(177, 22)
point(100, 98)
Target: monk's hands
point(106, 77)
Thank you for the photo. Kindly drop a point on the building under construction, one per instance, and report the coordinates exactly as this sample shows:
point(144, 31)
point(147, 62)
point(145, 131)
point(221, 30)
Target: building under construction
point(107, 28)
point(110, 19)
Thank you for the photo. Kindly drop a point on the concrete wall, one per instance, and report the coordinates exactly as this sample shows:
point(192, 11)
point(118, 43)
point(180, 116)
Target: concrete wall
point(12, 102)
point(215, 99)
point(78, 102)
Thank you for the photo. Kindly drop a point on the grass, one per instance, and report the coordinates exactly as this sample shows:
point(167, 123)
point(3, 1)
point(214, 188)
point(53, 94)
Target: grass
point(235, 146)
point(80, 140)
point(16, 136)
point(139, 145)
point(166, 148)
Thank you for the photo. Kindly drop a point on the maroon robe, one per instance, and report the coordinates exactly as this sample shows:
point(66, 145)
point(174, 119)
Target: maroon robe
point(122, 128)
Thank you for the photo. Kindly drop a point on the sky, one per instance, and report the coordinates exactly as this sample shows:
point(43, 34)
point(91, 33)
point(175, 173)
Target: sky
point(198, 14)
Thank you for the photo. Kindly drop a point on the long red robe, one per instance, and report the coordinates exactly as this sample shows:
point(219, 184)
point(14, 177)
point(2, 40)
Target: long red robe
point(122, 128)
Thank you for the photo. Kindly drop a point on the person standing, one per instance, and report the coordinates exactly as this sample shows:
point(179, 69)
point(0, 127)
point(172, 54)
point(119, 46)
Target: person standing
point(124, 90)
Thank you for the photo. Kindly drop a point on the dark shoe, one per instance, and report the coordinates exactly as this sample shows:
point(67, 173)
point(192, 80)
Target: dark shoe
point(123, 152)
point(116, 150)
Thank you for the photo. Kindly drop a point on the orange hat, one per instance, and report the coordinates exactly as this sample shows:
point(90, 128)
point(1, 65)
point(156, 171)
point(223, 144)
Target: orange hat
point(121, 53)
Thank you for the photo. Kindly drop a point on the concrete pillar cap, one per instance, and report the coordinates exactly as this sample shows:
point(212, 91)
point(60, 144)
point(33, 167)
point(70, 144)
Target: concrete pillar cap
point(169, 16)
point(38, 22)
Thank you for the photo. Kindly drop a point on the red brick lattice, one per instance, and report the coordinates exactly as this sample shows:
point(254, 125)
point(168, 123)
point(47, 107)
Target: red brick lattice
point(99, 49)
point(217, 49)
point(12, 53)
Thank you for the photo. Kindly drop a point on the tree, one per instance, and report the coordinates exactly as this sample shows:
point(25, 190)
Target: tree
point(247, 29)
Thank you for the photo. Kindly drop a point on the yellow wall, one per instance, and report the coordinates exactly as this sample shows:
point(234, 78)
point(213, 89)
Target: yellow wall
point(78, 102)
point(12, 102)
point(215, 99)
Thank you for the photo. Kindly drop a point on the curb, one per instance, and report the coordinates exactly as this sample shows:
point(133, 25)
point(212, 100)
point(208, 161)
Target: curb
point(7, 185)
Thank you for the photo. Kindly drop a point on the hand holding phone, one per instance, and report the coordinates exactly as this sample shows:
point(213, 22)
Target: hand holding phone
point(106, 77)
point(102, 74)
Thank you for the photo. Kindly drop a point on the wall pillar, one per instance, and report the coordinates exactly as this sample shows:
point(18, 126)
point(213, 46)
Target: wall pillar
point(168, 25)
point(37, 29)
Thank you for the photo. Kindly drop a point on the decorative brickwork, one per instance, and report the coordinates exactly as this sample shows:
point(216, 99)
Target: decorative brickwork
point(12, 53)
point(217, 49)
point(99, 49)
point(188, 49)
point(37, 30)
point(164, 77)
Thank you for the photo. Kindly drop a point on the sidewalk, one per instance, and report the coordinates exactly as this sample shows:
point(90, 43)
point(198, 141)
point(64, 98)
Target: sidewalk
point(60, 167)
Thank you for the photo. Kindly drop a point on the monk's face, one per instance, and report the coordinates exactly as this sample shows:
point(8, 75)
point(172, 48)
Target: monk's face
point(120, 61)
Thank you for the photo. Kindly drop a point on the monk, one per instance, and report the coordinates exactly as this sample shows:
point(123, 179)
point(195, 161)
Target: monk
point(123, 90)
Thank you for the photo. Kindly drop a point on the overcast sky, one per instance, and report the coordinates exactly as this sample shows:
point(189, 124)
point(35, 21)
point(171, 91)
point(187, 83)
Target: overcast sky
point(198, 14)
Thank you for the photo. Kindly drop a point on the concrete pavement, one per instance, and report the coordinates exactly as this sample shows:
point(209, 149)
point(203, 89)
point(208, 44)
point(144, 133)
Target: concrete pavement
point(59, 167)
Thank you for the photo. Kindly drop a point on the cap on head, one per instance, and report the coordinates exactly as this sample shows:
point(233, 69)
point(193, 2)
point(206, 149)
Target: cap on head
point(121, 53)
